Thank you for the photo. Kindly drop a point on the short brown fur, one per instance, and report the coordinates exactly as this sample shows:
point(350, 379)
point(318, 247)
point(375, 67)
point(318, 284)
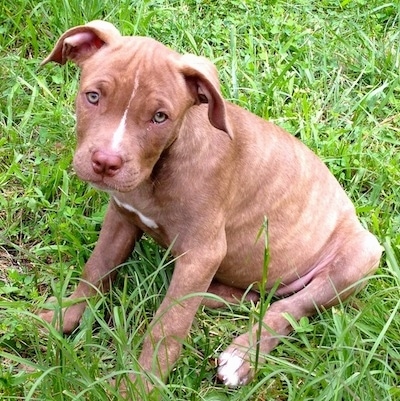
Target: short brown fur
point(207, 177)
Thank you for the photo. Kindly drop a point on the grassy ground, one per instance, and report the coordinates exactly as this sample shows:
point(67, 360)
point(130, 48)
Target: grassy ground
point(327, 71)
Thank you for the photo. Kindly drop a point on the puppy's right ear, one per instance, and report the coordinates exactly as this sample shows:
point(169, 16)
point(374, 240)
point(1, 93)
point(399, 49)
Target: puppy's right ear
point(81, 42)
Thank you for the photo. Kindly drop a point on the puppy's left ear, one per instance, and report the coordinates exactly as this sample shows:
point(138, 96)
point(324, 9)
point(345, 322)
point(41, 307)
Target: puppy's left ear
point(202, 77)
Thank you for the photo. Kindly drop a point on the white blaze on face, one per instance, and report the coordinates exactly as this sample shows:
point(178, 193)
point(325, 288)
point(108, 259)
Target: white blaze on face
point(120, 131)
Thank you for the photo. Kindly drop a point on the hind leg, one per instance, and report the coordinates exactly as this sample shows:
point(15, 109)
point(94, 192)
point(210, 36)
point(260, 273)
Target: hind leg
point(228, 294)
point(335, 282)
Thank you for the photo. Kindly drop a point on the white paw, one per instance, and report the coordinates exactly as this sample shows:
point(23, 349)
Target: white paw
point(233, 369)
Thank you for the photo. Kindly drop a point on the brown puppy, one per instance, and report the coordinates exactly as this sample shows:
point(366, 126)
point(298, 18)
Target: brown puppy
point(190, 169)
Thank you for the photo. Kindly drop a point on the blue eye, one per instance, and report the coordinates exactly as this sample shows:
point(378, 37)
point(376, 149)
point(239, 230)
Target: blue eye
point(159, 118)
point(93, 97)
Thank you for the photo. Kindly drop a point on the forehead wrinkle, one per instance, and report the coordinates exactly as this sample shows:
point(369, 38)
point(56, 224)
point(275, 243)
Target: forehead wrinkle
point(156, 89)
point(135, 88)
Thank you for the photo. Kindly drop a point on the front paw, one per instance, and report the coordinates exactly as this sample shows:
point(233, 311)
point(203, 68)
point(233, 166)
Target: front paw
point(234, 368)
point(67, 318)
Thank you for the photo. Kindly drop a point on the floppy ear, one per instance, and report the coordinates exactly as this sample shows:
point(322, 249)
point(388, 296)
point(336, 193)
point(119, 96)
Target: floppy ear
point(81, 42)
point(202, 76)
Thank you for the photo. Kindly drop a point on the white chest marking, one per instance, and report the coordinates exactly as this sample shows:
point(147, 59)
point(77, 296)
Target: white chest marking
point(120, 131)
point(144, 219)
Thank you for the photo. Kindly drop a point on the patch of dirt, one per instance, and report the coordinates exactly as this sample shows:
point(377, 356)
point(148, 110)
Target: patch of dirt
point(6, 261)
point(10, 259)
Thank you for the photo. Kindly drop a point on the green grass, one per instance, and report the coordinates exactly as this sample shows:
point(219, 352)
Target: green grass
point(327, 71)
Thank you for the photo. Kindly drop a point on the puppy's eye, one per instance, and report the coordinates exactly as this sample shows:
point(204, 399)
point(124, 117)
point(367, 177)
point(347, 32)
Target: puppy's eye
point(159, 118)
point(93, 97)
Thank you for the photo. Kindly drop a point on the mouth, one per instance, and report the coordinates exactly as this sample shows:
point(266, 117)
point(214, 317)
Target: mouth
point(102, 184)
point(124, 181)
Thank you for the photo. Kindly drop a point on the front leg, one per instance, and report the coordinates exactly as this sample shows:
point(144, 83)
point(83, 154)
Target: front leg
point(193, 274)
point(116, 242)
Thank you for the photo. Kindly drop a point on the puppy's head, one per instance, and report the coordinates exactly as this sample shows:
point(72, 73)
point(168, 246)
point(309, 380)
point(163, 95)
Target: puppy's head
point(133, 98)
